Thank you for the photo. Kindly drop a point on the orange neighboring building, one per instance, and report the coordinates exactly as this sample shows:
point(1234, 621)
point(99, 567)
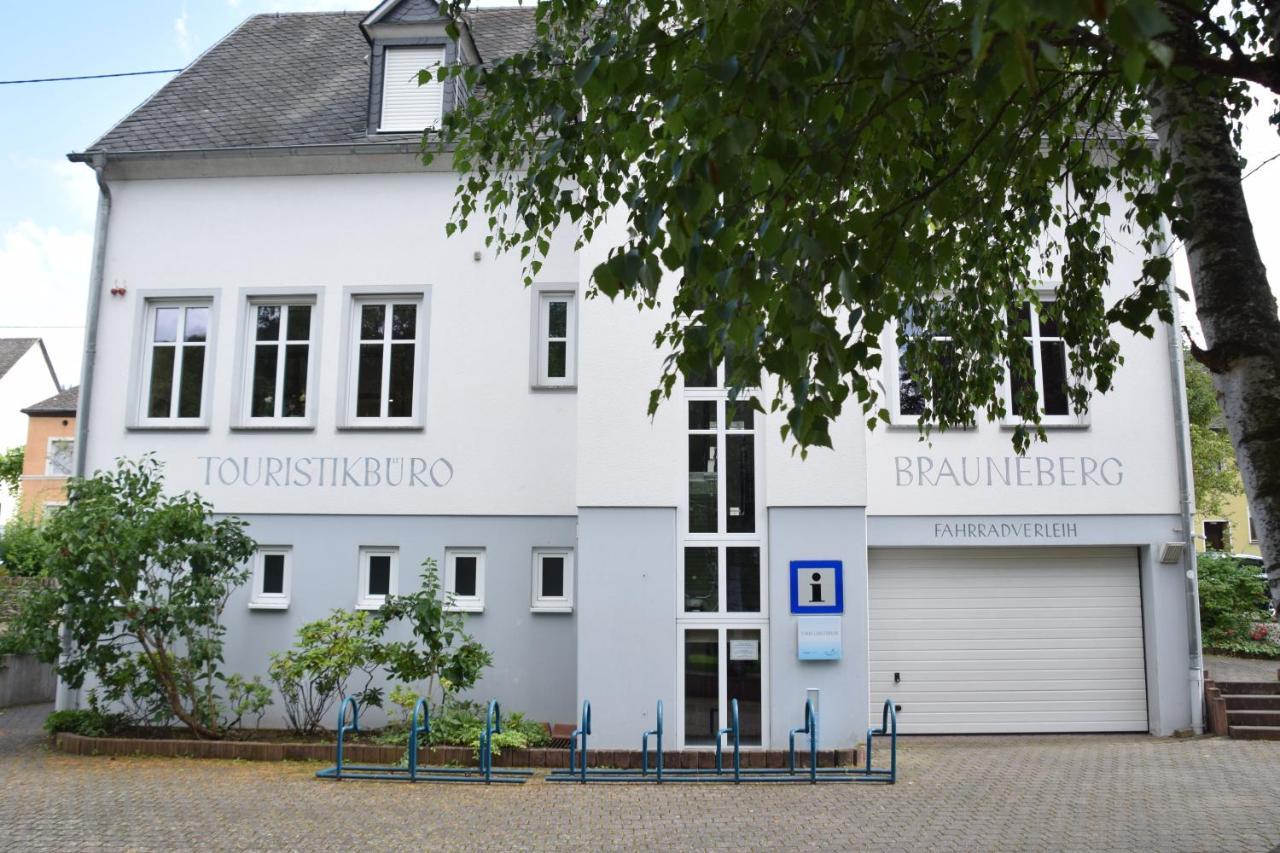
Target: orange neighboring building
point(50, 455)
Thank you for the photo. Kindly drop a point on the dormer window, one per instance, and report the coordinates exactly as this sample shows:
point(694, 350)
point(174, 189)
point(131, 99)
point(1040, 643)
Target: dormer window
point(408, 107)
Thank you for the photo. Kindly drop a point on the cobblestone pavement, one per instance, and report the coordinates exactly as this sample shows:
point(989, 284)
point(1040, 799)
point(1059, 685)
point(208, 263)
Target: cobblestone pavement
point(1059, 792)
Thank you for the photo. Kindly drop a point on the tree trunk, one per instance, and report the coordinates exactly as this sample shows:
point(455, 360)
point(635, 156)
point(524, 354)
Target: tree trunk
point(1234, 303)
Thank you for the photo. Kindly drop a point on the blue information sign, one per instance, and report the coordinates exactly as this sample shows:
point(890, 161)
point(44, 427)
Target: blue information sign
point(817, 586)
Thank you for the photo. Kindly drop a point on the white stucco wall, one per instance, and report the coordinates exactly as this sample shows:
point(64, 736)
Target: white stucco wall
point(510, 448)
point(1123, 462)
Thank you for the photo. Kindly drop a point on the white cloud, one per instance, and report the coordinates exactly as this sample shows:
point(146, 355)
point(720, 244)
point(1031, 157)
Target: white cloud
point(44, 275)
point(181, 33)
point(44, 282)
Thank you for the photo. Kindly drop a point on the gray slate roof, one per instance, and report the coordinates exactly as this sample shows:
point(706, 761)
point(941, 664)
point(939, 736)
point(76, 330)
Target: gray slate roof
point(284, 80)
point(62, 403)
point(12, 349)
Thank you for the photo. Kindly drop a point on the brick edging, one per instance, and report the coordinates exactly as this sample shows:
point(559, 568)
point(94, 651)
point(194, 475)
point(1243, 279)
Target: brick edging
point(440, 755)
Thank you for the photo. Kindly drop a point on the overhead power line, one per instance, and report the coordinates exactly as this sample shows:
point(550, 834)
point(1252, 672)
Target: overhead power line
point(90, 76)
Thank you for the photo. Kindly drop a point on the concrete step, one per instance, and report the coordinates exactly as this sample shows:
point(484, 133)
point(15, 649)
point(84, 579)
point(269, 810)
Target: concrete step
point(1254, 702)
point(1254, 732)
point(1253, 718)
point(1252, 688)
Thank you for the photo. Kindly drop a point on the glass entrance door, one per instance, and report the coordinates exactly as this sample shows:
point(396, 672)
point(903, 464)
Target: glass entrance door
point(721, 664)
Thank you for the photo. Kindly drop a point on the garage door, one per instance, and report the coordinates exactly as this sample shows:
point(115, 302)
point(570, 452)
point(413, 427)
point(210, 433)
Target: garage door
point(1008, 640)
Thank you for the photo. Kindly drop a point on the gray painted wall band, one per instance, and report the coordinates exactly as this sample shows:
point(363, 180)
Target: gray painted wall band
point(534, 653)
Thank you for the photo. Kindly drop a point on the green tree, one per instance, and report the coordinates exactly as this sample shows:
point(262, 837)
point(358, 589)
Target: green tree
point(139, 582)
point(1213, 463)
point(806, 172)
point(11, 470)
point(441, 652)
point(24, 550)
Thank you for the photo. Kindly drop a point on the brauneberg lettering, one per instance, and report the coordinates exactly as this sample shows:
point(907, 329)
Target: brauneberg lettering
point(326, 471)
point(1014, 471)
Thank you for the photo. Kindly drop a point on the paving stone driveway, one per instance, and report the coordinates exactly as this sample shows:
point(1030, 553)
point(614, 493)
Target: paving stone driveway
point(1058, 792)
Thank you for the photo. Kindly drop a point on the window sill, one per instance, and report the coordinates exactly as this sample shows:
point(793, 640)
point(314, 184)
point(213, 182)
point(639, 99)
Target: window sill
point(543, 386)
point(381, 427)
point(465, 608)
point(269, 605)
point(551, 608)
point(369, 605)
point(249, 426)
point(200, 426)
point(1049, 425)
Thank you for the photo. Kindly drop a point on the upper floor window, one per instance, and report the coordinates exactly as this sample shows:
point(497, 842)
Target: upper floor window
point(910, 402)
point(557, 347)
point(279, 339)
point(60, 457)
point(406, 105)
point(385, 361)
point(722, 469)
point(1049, 378)
point(1253, 529)
point(174, 362)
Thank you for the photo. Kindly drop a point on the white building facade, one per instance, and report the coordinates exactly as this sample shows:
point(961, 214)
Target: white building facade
point(278, 316)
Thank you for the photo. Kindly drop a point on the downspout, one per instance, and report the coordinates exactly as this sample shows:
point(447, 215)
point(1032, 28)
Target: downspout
point(1191, 581)
point(67, 698)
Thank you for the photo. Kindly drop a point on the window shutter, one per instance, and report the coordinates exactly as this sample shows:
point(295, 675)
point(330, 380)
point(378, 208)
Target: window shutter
point(406, 106)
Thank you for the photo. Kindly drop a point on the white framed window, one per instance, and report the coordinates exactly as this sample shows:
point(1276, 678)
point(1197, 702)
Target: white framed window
point(51, 507)
point(279, 339)
point(1217, 535)
point(175, 363)
point(721, 580)
point(406, 105)
point(59, 460)
point(386, 361)
point(272, 578)
point(379, 568)
point(556, 340)
point(464, 579)
point(722, 452)
point(1050, 376)
point(908, 401)
point(552, 580)
point(715, 665)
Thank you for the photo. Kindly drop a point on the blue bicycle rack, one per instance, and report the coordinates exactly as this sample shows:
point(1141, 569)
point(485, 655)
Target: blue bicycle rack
point(578, 772)
point(888, 728)
point(420, 725)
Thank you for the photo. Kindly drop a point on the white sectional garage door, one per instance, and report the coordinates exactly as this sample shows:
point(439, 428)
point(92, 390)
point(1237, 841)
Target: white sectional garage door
point(1008, 640)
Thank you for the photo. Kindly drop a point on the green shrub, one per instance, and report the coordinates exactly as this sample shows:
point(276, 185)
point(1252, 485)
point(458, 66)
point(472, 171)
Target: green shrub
point(313, 674)
point(1232, 598)
point(84, 721)
point(462, 724)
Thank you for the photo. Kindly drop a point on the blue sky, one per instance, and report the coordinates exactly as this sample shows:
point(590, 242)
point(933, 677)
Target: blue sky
point(47, 204)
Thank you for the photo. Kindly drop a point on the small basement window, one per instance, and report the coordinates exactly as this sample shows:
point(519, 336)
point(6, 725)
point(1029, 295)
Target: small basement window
point(464, 579)
point(552, 580)
point(271, 579)
point(406, 106)
point(378, 570)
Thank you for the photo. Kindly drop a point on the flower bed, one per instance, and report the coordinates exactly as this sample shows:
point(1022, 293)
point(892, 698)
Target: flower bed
point(439, 755)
